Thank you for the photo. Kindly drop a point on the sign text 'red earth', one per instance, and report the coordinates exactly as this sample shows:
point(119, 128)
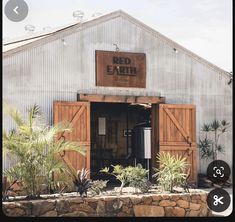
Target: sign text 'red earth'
point(120, 66)
point(121, 69)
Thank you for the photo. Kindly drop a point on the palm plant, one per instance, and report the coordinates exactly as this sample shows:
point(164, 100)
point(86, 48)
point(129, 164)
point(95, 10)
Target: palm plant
point(34, 146)
point(171, 171)
point(209, 146)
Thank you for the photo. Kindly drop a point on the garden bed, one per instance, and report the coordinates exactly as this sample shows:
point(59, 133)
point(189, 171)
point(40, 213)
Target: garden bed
point(127, 205)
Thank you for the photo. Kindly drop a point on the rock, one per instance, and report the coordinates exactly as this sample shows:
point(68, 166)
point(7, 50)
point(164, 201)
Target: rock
point(63, 206)
point(108, 199)
point(18, 204)
point(113, 206)
point(135, 200)
point(183, 203)
point(27, 206)
point(194, 206)
point(168, 212)
point(204, 198)
point(109, 206)
point(15, 212)
point(126, 209)
point(75, 214)
point(122, 214)
point(203, 210)
point(196, 197)
point(209, 213)
point(42, 207)
point(148, 211)
point(9, 205)
point(76, 200)
point(174, 205)
point(155, 203)
point(117, 205)
point(156, 197)
point(186, 198)
point(193, 213)
point(100, 209)
point(81, 214)
point(93, 205)
point(165, 197)
point(175, 197)
point(194, 201)
point(127, 190)
point(91, 200)
point(51, 213)
point(174, 212)
point(82, 207)
point(147, 200)
point(125, 200)
point(167, 203)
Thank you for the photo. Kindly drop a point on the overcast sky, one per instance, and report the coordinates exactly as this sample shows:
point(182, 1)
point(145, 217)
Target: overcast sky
point(202, 26)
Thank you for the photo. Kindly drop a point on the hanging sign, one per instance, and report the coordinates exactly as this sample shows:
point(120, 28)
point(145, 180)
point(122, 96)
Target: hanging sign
point(120, 69)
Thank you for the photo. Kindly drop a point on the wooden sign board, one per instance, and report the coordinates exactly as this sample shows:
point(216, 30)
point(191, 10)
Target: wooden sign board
point(120, 69)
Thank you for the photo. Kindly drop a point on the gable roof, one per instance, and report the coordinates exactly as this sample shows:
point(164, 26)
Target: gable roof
point(10, 48)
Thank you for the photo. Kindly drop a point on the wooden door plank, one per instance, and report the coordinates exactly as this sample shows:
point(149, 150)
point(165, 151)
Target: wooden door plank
point(177, 143)
point(182, 128)
point(161, 127)
point(177, 124)
point(190, 148)
point(121, 99)
point(177, 106)
point(77, 113)
point(74, 118)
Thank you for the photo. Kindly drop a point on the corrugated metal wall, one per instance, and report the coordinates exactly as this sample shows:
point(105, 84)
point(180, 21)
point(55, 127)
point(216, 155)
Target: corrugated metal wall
point(54, 71)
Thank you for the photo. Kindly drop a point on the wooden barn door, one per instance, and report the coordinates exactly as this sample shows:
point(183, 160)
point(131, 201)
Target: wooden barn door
point(174, 131)
point(78, 114)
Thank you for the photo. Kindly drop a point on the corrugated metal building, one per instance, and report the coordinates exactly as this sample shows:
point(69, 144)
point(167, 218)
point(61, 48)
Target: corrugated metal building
point(58, 65)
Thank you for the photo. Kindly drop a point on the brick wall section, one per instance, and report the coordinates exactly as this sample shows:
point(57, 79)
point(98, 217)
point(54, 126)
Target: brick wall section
point(153, 205)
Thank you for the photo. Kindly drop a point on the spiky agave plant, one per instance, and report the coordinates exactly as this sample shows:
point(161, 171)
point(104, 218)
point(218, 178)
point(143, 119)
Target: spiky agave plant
point(82, 182)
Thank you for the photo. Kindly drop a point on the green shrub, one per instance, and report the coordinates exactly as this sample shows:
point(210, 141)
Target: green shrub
point(137, 178)
point(134, 176)
point(35, 149)
point(171, 171)
point(98, 186)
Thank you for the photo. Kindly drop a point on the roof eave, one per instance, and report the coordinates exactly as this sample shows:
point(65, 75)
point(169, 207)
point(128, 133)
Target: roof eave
point(68, 30)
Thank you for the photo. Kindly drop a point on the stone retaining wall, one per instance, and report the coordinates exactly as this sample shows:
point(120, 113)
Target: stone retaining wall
point(153, 205)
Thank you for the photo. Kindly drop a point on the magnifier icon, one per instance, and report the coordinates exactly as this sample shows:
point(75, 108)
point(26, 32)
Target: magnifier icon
point(218, 171)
